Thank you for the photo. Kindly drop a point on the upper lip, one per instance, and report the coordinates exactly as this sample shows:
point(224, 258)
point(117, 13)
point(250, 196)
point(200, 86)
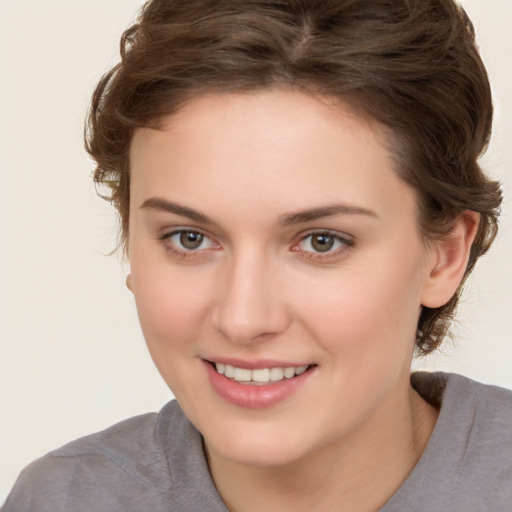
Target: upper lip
point(256, 364)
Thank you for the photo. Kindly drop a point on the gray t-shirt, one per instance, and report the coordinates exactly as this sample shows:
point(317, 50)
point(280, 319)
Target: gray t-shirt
point(156, 462)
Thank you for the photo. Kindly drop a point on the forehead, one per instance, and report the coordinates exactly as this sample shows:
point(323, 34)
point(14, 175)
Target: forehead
point(264, 149)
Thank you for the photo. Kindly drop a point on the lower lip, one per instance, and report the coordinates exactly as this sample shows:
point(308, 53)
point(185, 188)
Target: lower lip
point(255, 396)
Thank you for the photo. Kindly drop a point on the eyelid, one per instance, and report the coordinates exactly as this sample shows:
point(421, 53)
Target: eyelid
point(166, 232)
point(347, 243)
point(166, 236)
point(344, 237)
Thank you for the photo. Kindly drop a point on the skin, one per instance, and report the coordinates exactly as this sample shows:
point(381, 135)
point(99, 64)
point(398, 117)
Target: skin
point(258, 289)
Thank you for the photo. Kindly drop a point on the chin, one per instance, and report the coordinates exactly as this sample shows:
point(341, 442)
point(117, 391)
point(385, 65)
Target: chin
point(259, 444)
point(258, 454)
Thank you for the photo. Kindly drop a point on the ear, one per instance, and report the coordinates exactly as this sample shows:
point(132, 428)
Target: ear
point(448, 261)
point(129, 282)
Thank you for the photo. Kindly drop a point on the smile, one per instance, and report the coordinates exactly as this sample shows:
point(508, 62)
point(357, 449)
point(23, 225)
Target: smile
point(260, 375)
point(243, 385)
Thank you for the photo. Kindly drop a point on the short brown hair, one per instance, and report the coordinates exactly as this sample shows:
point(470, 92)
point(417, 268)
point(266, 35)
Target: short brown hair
point(411, 65)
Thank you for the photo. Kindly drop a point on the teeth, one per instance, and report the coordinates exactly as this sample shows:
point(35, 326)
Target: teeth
point(289, 372)
point(243, 374)
point(261, 375)
point(301, 369)
point(276, 374)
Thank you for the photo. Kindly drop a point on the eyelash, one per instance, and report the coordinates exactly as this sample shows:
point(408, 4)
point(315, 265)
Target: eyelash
point(166, 240)
point(345, 245)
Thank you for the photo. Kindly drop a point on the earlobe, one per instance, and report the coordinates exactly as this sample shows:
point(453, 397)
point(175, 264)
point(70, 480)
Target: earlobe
point(129, 282)
point(449, 261)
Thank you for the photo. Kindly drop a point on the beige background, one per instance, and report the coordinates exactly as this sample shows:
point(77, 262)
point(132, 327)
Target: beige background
point(72, 356)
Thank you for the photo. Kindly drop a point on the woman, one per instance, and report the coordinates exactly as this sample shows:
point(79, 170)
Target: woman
point(300, 203)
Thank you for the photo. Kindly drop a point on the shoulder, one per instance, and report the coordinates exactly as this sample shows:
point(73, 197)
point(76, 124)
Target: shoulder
point(442, 388)
point(475, 423)
point(468, 460)
point(482, 416)
point(115, 469)
point(467, 404)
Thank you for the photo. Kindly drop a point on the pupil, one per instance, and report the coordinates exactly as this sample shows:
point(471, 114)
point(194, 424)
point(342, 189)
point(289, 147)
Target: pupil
point(191, 240)
point(322, 243)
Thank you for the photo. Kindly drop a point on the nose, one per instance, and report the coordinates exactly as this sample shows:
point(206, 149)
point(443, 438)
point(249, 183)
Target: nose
point(250, 305)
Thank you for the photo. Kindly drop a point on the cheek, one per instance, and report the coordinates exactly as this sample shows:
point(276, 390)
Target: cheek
point(372, 309)
point(171, 309)
point(171, 306)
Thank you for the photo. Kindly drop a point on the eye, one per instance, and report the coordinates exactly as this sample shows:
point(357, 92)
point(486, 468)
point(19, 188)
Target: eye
point(187, 240)
point(323, 243)
point(318, 242)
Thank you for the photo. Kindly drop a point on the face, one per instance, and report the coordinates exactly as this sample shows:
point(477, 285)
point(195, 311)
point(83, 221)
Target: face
point(278, 271)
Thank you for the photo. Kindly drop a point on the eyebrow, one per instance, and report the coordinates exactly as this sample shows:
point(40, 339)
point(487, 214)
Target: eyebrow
point(288, 219)
point(157, 203)
point(312, 214)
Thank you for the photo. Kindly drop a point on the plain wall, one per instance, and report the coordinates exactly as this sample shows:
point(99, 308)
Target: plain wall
point(73, 359)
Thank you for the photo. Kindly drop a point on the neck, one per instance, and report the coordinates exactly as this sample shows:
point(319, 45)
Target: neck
point(357, 473)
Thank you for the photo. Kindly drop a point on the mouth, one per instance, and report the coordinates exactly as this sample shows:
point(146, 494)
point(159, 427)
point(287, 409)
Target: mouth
point(260, 376)
point(257, 385)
